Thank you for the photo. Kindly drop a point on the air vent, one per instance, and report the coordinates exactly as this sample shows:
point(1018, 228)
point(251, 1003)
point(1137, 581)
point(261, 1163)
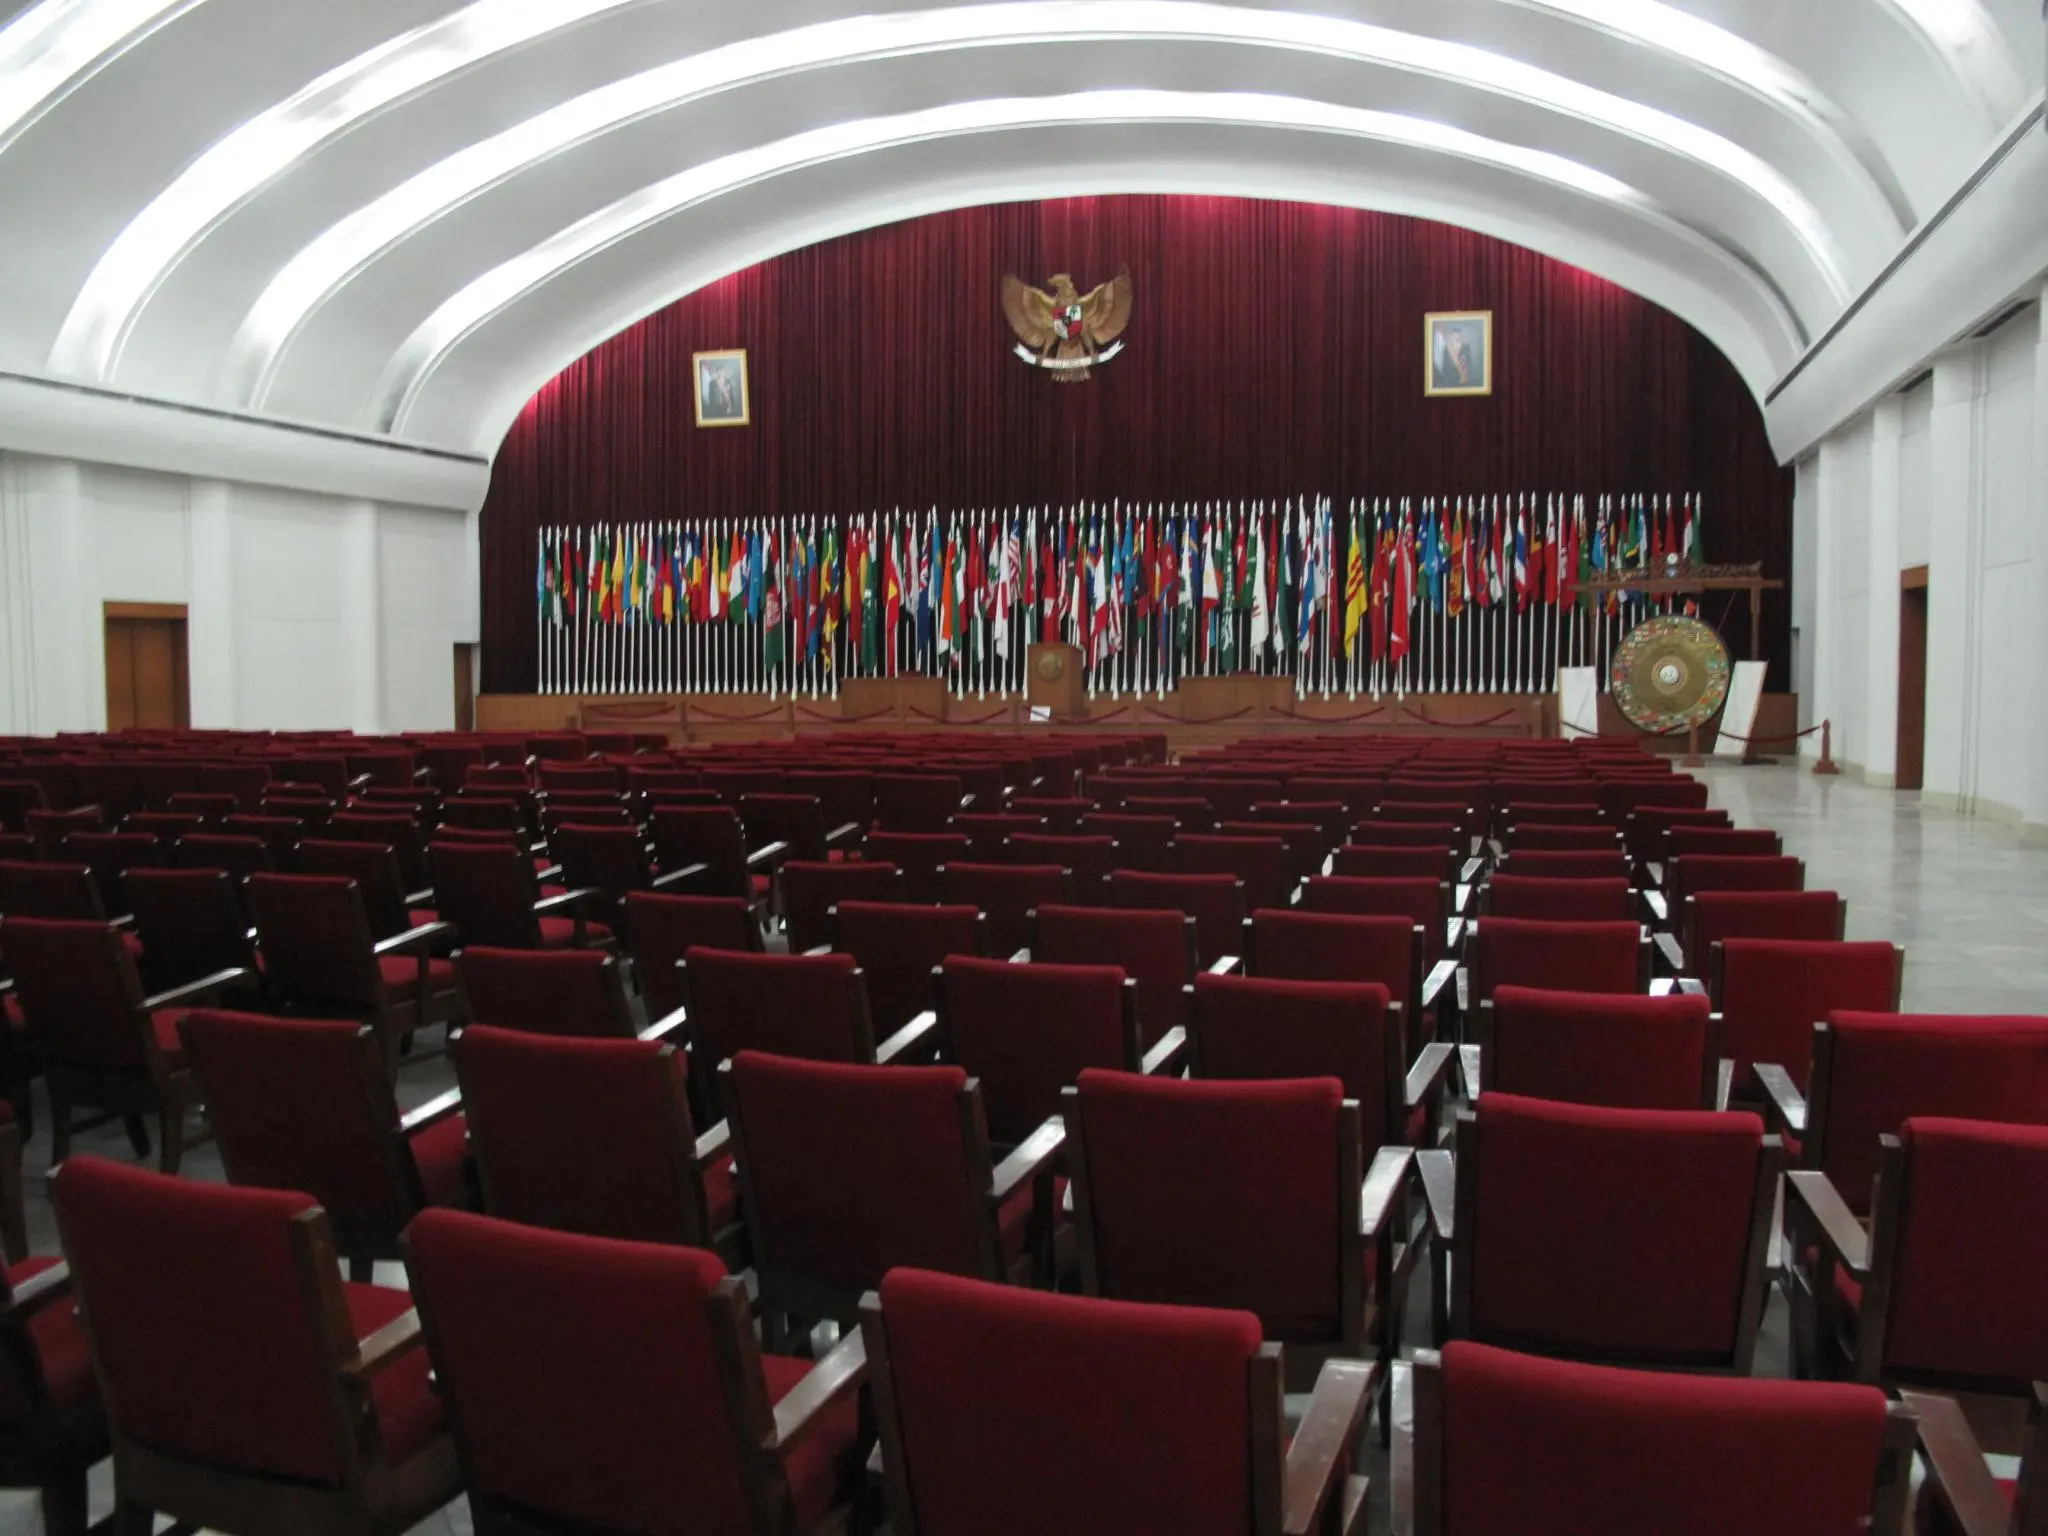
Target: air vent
point(2005, 316)
point(1915, 382)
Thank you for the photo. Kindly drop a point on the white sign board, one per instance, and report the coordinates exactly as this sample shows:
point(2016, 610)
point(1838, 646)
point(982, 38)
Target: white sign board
point(1738, 716)
point(1578, 701)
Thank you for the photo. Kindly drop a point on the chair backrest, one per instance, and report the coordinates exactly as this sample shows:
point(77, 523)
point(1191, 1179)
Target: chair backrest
point(576, 992)
point(812, 1006)
point(851, 1171)
point(60, 892)
point(1025, 1032)
point(1258, 863)
point(573, 776)
point(708, 835)
point(517, 1364)
point(1872, 1071)
point(1712, 916)
point(165, 826)
point(1142, 842)
point(80, 997)
point(1006, 895)
point(304, 1104)
point(400, 831)
point(1571, 901)
point(1216, 903)
point(483, 813)
point(1424, 901)
point(1549, 837)
point(51, 829)
point(660, 929)
point(583, 1135)
point(898, 947)
point(1090, 857)
point(375, 870)
point(1621, 1050)
point(1368, 861)
point(487, 890)
point(1379, 832)
point(280, 834)
point(315, 939)
point(1218, 1194)
point(988, 834)
point(810, 889)
point(1154, 947)
point(916, 802)
point(1060, 814)
point(1259, 1029)
point(798, 820)
point(845, 795)
point(1670, 1208)
point(1513, 1442)
point(110, 855)
point(609, 860)
point(1290, 945)
point(231, 853)
point(1961, 1295)
point(217, 1320)
point(1699, 872)
point(1727, 842)
point(920, 855)
point(1575, 957)
point(1771, 992)
point(1085, 1386)
point(1546, 864)
point(191, 924)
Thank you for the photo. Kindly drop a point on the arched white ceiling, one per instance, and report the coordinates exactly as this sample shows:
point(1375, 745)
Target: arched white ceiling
point(402, 216)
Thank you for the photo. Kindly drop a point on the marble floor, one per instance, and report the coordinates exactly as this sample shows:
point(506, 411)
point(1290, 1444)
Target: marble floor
point(1968, 898)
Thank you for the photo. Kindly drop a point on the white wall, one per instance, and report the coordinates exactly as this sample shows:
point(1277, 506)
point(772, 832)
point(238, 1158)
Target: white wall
point(1951, 475)
point(304, 610)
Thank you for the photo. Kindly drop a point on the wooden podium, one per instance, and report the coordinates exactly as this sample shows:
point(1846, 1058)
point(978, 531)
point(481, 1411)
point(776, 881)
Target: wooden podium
point(1058, 679)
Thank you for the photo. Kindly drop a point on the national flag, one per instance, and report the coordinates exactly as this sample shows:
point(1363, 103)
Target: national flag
point(545, 580)
point(1049, 585)
point(1354, 585)
point(1006, 585)
point(1402, 620)
point(1283, 597)
point(1432, 558)
point(1383, 560)
point(1259, 578)
point(1454, 596)
point(1496, 557)
point(771, 601)
point(1523, 594)
point(1311, 581)
point(1693, 553)
point(1536, 557)
point(1634, 539)
point(1212, 585)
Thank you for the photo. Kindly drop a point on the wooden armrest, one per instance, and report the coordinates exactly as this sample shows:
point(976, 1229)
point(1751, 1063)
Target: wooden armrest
point(1955, 1463)
point(1225, 965)
point(668, 1024)
point(1689, 986)
point(1439, 974)
point(1654, 871)
point(1426, 1077)
point(1668, 947)
point(1384, 1181)
point(678, 877)
point(424, 898)
point(770, 853)
point(205, 984)
point(361, 782)
point(919, 1037)
point(1319, 1457)
point(1786, 1102)
point(1028, 1159)
point(1466, 873)
point(1021, 957)
point(1439, 1174)
point(549, 875)
point(1837, 1225)
point(433, 1112)
point(1454, 933)
point(40, 1291)
point(1663, 986)
point(121, 920)
point(845, 832)
point(388, 1344)
point(967, 802)
point(844, 1368)
point(413, 938)
point(568, 899)
point(1464, 992)
point(1659, 908)
point(1168, 1055)
point(1471, 1066)
point(1724, 1082)
point(714, 1144)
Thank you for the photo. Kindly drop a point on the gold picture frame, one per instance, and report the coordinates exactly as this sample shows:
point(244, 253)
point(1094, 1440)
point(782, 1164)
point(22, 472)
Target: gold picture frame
point(723, 398)
point(1452, 341)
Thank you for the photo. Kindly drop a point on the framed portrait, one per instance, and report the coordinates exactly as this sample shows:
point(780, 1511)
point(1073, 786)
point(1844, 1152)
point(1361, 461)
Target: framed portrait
point(722, 389)
point(1457, 353)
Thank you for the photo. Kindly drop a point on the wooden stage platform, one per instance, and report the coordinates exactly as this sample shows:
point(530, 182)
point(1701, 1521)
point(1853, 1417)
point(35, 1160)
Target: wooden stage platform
point(1202, 712)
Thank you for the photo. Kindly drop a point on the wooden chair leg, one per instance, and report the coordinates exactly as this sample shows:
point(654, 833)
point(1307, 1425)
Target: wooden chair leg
point(60, 1121)
point(138, 1133)
point(66, 1505)
point(171, 1129)
point(361, 1270)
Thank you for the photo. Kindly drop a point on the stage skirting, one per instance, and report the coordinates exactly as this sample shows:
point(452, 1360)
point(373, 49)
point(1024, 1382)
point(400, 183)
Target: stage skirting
point(1202, 712)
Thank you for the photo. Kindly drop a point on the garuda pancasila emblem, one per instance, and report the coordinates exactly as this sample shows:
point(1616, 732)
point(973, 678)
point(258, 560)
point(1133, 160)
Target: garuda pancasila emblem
point(1065, 332)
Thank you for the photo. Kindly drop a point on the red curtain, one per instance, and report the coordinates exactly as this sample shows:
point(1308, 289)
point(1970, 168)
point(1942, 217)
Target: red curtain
point(1275, 349)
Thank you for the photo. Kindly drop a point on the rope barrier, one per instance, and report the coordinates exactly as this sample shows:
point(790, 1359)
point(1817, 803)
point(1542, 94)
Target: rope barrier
point(1362, 715)
point(766, 714)
point(824, 719)
point(1468, 725)
point(627, 711)
point(1772, 741)
point(1001, 714)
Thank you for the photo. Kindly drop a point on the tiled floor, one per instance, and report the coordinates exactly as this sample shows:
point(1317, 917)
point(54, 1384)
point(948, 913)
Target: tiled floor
point(1968, 899)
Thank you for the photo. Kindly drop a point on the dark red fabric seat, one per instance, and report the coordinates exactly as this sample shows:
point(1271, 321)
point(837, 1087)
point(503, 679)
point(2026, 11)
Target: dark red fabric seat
point(1153, 947)
point(1771, 992)
point(899, 946)
point(810, 889)
point(1006, 896)
point(1560, 956)
point(1567, 901)
point(1618, 1050)
point(1024, 1032)
point(811, 1006)
point(560, 992)
point(1425, 901)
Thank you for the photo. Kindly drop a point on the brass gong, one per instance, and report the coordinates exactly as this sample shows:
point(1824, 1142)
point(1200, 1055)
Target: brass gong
point(1670, 675)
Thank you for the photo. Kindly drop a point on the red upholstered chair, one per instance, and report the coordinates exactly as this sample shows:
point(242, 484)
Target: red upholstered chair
point(487, 813)
point(1155, 948)
point(1331, 818)
point(1006, 895)
point(799, 822)
point(1547, 838)
point(1723, 842)
point(1232, 799)
point(551, 776)
point(1646, 827)
point(110, 855)
point(192, 924)
point(1463, 820)
point(1060, 814)
point(708, 1434)
point(1961, 1497)
point(612, 862)
point(246, 1386)
point(1568, 901)
point(1303, 848)
point(1619, 1050)
point(733, 782)
point(1242, 1195)
point(1293, 945)
point(1024, 1032)
point(1670, 1209)
point(1087, 1385)
point(1424, 901)
point(1568, 957)
point(17, 798)
point(1257, 1028)
point(810, 1006)
point(52, 829)
point(398, 830)
point(280, 834)
point(594, 1136)
point(918, 802)
point(231, 853)
point(1544, 864)
point(660, 929)
point(1512, 1442)
point(844, 794)
point(1258, 863)
point(900, 947)
point(988, 833)
point(1771, 992)
point(1190, 813)
point(575, 992)
point(1142, 842)
point(319, 960)
point(378, 879)
point(1216, 903)
point(707, 844)
point(1620, 797)
point(102, 1042)
point(810, 890)
point(1446, 836)
point(165, 826)
point(1713, 916)
point(920, 855)
point(488, 893)
point(852, 1171)
point(304, 1104)
point(1698, 873)
point(1089, 858)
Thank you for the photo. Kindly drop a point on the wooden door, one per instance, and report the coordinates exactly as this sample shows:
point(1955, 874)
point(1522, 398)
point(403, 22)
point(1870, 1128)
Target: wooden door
point(148, 685)
point(1912, 744)
point(465, 688)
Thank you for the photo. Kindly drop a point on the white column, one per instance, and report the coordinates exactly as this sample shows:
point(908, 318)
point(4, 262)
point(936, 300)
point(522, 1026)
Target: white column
point(1955, 570)
point(17, 631)
point(1824, 645)
point(2036, 807)
point(1878, 746)
point(362, 615)
point(57, 645)
point(212, 653)
point(1805, 559)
